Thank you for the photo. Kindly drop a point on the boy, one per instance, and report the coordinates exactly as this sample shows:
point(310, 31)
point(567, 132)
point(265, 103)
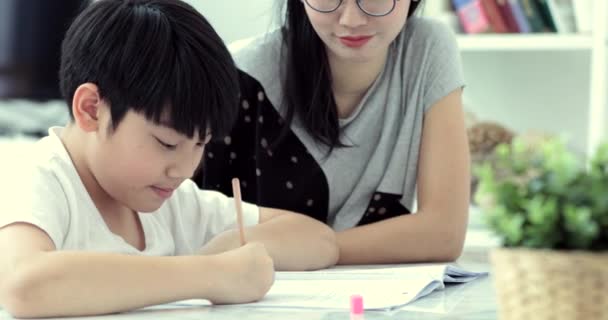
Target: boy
point(104, 218)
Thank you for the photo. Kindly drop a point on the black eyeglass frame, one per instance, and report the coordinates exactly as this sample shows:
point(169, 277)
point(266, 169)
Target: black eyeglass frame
point(358, 5)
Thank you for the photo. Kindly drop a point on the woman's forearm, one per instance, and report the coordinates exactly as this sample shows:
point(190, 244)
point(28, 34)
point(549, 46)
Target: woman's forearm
point(404, 239)
point(296, 242)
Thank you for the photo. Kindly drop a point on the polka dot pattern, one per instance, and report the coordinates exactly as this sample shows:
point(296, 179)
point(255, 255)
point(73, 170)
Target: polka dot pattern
point(287, 177)
point(383, 206)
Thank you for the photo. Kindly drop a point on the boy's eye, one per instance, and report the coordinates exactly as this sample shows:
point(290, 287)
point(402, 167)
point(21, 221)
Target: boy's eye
point(166, 145)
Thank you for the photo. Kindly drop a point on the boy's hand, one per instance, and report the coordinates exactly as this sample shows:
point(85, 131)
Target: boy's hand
point(247, 273)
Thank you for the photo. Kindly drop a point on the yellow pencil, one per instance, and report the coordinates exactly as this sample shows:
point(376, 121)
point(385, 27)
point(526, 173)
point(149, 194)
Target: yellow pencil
point(236, 191)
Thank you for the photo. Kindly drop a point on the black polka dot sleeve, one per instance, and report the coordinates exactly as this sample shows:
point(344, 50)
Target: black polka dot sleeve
point(286, 177)
point(234, 156)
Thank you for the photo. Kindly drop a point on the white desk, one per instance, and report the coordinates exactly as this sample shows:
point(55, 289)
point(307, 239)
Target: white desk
point(472, 301)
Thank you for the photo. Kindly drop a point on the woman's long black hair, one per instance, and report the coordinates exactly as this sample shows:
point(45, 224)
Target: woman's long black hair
point(307, 83)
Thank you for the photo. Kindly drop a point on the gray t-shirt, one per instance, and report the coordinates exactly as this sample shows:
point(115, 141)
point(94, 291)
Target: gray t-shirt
point(423, 66)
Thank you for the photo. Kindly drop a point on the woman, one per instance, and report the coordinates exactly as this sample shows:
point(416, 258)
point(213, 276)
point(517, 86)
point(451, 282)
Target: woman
point(360, 114)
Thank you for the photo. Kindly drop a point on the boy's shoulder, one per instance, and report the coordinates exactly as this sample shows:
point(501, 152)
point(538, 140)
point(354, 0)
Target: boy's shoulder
point(48, 157)
point(35, 190)
point(42, 173)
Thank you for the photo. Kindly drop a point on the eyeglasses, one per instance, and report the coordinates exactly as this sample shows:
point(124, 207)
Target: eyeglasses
point(374, 8)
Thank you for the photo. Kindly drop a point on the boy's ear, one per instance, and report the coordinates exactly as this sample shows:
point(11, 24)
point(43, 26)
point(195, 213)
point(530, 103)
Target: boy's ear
point(86, 107)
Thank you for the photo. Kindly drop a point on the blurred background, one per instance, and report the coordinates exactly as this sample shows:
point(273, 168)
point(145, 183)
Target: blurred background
point(531, 65)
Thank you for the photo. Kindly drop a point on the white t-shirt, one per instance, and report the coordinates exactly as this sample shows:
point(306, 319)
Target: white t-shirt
point(46, 191)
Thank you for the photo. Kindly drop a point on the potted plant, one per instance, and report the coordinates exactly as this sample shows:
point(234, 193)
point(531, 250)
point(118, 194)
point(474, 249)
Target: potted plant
point(550, 209)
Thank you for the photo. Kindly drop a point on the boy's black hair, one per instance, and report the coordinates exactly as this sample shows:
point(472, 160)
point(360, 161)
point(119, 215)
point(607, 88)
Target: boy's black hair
point(159, 58)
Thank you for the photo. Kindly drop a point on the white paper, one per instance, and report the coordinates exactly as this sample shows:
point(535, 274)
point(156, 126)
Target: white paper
point(382, 287)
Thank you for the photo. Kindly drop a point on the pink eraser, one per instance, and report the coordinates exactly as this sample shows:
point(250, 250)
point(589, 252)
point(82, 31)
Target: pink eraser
point(356, 304)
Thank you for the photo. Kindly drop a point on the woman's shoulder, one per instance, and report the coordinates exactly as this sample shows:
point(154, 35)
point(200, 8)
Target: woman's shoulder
point(259, 60)
point(425, 32)
point(257, 52)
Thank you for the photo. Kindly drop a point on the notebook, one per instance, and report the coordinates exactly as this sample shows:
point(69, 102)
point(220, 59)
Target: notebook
point(382, 287)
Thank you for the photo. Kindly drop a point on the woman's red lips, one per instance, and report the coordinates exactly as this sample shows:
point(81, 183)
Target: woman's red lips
point(355, 41)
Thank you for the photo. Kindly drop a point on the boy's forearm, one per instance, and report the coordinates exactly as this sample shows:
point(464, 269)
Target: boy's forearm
point(58, 284)
point(296, 242)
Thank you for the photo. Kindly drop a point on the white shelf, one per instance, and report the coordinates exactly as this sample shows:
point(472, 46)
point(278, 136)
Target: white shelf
point(528, 42)
point(593, 43)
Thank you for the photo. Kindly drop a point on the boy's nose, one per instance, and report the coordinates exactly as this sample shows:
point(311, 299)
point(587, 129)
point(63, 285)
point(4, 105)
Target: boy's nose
point(184, 167)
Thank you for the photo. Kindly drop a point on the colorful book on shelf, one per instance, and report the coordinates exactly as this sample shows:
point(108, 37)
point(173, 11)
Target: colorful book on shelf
point(543, 9)
point(519, 15)
point(533, 16)
point(505, 10)
point(497, 22)
point(471, 16)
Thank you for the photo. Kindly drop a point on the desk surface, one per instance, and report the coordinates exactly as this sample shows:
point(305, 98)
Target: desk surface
point(472, 301)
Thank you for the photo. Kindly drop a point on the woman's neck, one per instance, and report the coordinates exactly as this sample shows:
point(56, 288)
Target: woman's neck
point(351, 80)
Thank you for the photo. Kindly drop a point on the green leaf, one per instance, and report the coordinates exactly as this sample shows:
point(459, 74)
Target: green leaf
point(541, 195)
point(582, 230)
point(542, 211)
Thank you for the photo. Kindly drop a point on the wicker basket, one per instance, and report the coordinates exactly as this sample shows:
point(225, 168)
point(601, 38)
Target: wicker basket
point(550, 284)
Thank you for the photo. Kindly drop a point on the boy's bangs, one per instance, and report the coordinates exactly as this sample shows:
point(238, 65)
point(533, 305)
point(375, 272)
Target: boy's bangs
point(188, 92)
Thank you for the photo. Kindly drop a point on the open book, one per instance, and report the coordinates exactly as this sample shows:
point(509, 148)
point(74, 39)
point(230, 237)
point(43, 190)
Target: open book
point(382, 287)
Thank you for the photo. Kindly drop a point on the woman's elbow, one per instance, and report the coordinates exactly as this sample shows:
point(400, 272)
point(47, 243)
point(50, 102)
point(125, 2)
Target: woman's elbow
point(451, 233)
point(452, 245)
point(452, 253)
